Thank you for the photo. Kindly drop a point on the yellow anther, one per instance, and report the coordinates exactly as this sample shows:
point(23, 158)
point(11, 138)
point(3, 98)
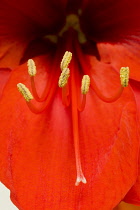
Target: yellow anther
point(63, 79)
point(25, 92)
point(66, 60)
point(31, 68)
point(85, 84)
point(124, 76)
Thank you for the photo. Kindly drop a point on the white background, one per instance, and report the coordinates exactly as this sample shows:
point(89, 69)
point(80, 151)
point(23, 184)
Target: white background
point(5, 202)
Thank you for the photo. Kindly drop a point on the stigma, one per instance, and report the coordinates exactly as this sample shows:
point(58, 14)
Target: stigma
point(72, 21)
point(67, 82)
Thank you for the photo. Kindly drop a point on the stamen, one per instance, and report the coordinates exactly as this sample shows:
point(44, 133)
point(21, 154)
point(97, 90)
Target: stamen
point(31, 67)
point(84, 89)
point(85, 84)
point(66, 60)
point(63, 83)
point(63, 79)
point(124, 76)
point(32, 72)
point(25, 92)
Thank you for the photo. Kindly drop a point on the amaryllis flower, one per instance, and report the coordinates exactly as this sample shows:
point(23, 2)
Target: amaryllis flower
point(73, 144)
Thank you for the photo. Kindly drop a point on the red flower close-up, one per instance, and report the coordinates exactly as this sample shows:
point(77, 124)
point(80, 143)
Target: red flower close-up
point(70, 103)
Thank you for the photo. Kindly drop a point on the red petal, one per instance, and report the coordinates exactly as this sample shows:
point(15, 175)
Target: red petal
point(21, 23)
point(37, 158)
point(4, 75)
point(133, 196)
point(110, 21)
point(43, 13)
point(120, 55)
point(115, 27)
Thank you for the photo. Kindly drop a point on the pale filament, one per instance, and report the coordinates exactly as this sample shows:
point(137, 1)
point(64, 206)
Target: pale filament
point(80, 175)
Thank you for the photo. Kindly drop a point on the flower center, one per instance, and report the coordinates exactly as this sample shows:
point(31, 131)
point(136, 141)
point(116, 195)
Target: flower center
point(75, 100)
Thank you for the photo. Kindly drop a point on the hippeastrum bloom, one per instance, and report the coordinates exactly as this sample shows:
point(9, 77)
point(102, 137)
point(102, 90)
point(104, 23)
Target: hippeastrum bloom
point(70, 136)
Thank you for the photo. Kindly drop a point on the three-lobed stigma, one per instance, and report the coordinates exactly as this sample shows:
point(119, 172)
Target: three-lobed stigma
point(73, 21)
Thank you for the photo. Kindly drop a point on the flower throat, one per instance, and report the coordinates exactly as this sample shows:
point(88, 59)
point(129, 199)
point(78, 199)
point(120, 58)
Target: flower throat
point(71, 97)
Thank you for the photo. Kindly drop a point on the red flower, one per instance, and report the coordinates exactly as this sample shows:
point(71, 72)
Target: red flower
point(94, 137)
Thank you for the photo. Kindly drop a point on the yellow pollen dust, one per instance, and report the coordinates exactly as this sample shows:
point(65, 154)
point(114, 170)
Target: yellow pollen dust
point(63, 79)
point(66, 60)
point(124, 76)
point(25, 92)
point(85, 84)
point(31, 68)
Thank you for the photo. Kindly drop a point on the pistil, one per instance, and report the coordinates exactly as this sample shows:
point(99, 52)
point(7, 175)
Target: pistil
point(72, 21)
point(80, 175)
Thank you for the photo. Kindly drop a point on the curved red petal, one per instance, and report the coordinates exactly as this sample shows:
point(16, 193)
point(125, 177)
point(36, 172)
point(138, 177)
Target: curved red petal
point(37, 158)
point(120, 55)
